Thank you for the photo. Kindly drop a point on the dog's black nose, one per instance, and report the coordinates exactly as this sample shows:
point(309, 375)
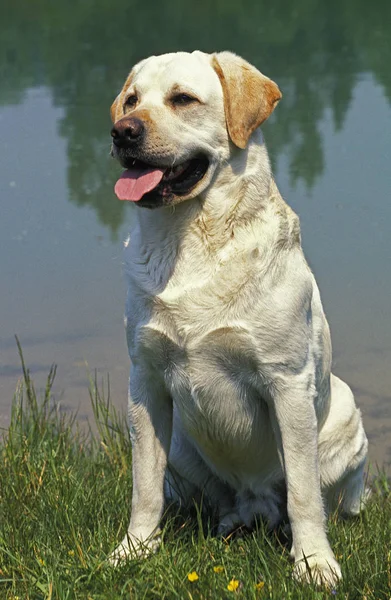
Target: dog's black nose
point(127, 131)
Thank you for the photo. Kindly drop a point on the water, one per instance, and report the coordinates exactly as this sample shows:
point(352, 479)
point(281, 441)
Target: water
point(61, 228)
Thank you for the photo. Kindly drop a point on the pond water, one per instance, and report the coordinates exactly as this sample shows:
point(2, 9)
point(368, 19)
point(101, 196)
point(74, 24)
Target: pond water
point(61, 228)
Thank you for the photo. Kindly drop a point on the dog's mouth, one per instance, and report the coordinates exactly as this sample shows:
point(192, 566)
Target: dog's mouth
point(140, 179)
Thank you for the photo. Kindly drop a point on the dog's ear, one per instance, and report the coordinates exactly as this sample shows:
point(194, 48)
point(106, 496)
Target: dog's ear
point(249, 96)
point(116, 109)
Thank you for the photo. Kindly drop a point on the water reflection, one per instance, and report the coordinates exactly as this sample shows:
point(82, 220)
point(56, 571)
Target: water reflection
point(316, 50)
point(60, 67)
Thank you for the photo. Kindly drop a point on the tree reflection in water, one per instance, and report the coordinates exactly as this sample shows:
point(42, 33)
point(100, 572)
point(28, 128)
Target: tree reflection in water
point(82, 50)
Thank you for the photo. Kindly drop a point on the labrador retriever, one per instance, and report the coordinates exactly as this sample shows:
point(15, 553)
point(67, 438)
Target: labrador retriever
point(230, 390)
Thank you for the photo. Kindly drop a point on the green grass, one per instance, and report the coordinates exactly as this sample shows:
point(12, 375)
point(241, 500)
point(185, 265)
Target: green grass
point(64, 505)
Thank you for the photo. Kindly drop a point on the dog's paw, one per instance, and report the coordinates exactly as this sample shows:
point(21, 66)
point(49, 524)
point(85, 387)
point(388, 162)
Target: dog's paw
point(352, 507)
point(264, 504)
point(229, 523)
point(318, 569)
point(134, 546)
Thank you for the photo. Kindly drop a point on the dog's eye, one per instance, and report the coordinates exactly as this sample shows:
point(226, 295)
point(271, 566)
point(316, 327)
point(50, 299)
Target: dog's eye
point(131, 101)
point(182, 99)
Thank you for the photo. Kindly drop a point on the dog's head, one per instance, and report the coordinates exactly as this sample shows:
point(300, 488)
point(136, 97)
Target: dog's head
point(179, 116)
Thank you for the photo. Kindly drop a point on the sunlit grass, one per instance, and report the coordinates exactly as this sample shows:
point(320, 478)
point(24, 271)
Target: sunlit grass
point(64, 505)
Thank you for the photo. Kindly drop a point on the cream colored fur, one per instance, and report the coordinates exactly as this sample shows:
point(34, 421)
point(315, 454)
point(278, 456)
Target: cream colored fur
point(230, 391)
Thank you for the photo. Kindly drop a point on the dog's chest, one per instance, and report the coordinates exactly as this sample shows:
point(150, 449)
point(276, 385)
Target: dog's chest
point(208, 362)
point(172, 326)
point(201, 323)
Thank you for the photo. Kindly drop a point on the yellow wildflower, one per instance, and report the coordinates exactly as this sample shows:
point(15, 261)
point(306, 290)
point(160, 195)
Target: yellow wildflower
point(71, 552)
point(193, 576)
point(41, 561)
point(259, 585)
point(218, 569)
point(233, 585)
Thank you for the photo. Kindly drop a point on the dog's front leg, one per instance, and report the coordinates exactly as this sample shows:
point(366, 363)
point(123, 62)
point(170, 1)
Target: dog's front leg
point(150, 415)
point(295, 427)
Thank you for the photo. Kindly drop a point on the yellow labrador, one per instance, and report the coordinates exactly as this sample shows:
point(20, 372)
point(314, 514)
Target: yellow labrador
point(230, 388)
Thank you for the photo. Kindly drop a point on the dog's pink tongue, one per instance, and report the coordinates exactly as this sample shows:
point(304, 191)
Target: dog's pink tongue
point(134, 183)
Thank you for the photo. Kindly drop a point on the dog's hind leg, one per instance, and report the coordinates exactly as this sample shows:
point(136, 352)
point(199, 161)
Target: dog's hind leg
point(343, 448)
point(189, 480)
point(178, 490)
point(350, 494)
